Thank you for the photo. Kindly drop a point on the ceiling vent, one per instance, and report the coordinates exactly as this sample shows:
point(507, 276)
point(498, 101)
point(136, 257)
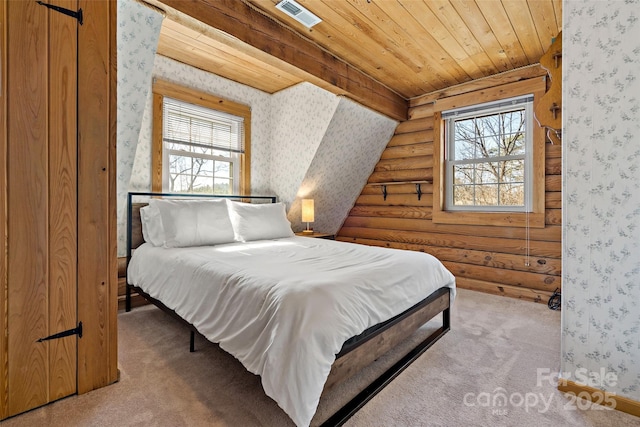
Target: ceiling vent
point(298, 12)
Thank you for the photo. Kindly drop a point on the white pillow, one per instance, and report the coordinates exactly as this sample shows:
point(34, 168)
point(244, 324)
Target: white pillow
point(152, 229)
point(195, 222)
point(259, 221)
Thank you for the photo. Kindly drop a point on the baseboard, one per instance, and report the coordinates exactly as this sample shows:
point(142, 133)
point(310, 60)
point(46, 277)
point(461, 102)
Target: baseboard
point(518, 292)
point(601, 397)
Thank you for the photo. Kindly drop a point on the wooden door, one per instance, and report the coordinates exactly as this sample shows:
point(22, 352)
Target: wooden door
point(40, 180)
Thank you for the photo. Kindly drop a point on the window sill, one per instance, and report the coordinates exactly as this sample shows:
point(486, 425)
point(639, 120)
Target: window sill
point(498, 219)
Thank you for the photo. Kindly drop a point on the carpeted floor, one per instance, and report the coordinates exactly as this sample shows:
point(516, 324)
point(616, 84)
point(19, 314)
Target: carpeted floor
point(498, 347)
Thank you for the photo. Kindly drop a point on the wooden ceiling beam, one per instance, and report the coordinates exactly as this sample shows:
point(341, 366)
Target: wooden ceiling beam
point(523, 73)
point(252, 27)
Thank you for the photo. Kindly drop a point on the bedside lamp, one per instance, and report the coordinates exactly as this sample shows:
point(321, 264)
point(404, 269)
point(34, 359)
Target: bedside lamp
point(307, 214)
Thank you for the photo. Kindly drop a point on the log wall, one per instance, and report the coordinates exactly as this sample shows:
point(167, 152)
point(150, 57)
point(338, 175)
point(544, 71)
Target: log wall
point(484, 258)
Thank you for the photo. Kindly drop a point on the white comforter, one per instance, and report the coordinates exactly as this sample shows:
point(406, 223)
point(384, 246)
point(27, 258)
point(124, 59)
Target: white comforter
point(285, 307)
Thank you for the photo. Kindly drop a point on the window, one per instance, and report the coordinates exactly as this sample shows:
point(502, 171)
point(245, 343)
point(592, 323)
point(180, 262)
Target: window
point(201, 149)
point(488, 156)
point(200, 142)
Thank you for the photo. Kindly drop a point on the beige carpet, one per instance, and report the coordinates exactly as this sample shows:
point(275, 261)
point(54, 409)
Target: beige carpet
point(495, 346)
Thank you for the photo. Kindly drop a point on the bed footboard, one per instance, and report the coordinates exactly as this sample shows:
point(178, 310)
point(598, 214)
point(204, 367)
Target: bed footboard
point(381, 342)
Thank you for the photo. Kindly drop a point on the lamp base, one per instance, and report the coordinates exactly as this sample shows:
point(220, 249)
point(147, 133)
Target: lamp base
point(307, 231)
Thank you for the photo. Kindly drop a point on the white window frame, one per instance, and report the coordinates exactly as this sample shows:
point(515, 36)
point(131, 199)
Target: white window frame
point(233, 158)
point(490, 108)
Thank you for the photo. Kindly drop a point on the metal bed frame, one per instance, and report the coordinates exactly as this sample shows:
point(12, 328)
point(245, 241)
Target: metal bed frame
point(437, 302)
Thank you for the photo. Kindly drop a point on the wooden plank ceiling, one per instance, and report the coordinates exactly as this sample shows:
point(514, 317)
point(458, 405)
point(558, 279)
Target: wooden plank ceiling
point(392, 50)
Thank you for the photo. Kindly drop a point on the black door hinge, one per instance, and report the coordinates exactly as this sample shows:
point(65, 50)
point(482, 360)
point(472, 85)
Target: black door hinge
point(77, 15)
point(75, 331)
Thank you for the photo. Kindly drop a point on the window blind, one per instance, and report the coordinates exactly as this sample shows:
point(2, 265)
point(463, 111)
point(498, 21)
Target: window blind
point(487, 106)
point(197, 126)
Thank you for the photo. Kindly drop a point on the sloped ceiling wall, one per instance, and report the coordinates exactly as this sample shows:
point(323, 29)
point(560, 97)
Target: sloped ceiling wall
point(323, 147)
point(300, 116)
point(344, 160)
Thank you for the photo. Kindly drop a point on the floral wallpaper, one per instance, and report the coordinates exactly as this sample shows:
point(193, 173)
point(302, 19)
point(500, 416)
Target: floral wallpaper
point(300, 117)
point(177, 72)
point(323, 147)
point(343, 162)
point(137, 40)
point(601, 190)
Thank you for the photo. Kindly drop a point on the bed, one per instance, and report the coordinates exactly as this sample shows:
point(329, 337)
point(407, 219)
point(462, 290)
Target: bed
point(302, 313)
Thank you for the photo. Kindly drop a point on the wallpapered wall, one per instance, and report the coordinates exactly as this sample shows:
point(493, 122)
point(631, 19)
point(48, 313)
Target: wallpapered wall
point(176, 72)
point(137, 41)
point(350, 149)
point(601, 206)
point(305, 141)
point(321, 145)
point(300, 117)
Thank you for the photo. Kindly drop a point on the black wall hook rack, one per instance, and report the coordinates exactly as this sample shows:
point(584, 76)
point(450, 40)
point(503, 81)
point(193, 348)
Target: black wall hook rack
point(384, 189)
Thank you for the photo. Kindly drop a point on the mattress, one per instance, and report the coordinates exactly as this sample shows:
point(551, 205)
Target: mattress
point(285, 307)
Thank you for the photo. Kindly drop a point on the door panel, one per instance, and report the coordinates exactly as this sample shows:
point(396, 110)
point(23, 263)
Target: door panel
point(27, 205)
point(62, 198)
point(3, 216)
point(41, 203)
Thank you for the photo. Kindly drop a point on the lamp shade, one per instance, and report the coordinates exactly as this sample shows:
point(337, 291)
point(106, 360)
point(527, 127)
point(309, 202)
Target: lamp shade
point(307, 210)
